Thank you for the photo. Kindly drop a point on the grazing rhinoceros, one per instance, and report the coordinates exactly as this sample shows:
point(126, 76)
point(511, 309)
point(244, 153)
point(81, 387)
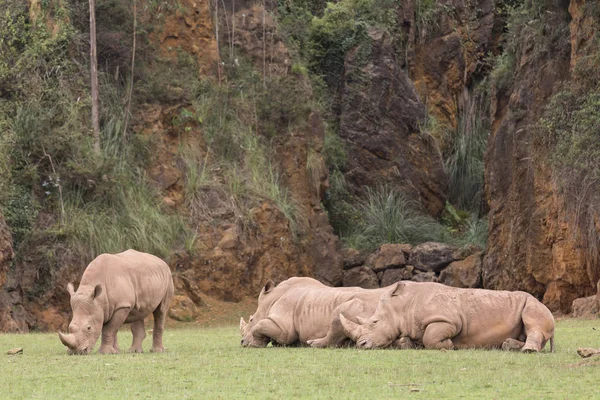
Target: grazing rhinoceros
point(442, 317)
point(305, 311)
point(116, 289)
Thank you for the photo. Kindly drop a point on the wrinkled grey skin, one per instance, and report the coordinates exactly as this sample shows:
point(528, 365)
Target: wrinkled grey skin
point(302, 311)
point(442, 317)
point(117, 289)
point(267, 297)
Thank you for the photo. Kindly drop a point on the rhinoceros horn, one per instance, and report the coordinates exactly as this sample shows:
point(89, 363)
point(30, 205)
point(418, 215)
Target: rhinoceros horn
point(68, 340)
point(242, 323)
point(351, 328)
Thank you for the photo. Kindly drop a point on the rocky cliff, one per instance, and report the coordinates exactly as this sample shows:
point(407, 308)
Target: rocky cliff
point(391, 84)
point(533, 244)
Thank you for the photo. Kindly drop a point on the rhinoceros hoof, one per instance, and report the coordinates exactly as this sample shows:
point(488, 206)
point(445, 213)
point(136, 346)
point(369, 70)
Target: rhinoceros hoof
point(158, 349)
point(529, 349)
point(107, 350)
point(317, 343)
point(136, 350)
point(512, 345)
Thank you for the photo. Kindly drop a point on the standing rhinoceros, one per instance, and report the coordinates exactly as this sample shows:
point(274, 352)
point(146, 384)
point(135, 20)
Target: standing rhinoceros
point(305, 311)
point(117, 289)
point(443, 317)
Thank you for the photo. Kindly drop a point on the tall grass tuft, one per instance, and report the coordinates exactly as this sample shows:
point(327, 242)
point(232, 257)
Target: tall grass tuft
point(465, 165)
point(475, 233)
point(388, 216)
point(132, 219)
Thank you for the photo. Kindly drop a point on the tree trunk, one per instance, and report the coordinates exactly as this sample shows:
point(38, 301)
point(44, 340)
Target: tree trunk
point(128, 110)
point(94, 78)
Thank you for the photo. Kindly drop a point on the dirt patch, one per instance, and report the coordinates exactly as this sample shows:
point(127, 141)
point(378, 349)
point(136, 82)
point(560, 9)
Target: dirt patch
point(214, 312)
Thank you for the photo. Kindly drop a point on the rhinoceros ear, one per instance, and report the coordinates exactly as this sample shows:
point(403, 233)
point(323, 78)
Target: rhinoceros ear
point(268, 286)
point(70, 288)
point(397, 290)
point(97, 291)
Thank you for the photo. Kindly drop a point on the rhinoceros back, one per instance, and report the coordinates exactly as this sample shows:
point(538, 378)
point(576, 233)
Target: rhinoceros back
point(131, 279)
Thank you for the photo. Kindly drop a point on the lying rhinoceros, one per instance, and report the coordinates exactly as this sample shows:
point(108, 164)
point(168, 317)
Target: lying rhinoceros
point(442, 317)
point(115, 289)
point(305, 311)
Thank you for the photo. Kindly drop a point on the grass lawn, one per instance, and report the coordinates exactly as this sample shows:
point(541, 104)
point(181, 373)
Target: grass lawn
point(206, 363)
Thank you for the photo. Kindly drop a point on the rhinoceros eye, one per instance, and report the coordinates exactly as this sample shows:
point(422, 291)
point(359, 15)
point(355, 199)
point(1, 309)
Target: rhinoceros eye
point(375, 322)
point(89, 328)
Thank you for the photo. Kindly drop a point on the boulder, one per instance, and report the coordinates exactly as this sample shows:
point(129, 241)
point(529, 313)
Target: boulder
point(585, 307)
point(229, 240)
point(363, 277)
point(390, 276)
point(432, 256)
point(352, 258)
point(388, 256)
point(424, 277)
point(464, 273)
point(183, 309)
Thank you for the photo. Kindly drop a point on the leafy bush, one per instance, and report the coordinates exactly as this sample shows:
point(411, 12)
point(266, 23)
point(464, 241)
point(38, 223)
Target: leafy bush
point(20, 212)
point(343, 26)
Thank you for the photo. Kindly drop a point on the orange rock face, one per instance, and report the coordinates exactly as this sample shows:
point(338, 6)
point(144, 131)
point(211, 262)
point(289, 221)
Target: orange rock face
point(533, 244)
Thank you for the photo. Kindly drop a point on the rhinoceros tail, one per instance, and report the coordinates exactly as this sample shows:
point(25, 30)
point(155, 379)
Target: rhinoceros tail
point(552, 344)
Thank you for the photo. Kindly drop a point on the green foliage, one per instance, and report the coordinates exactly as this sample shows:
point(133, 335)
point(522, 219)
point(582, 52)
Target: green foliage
point(503, 72)
point(238, 118)
point(342, 27)
point(464, 164)
point(20, 212)
point(474, 233)
point(427, 14)
point(388, 216)
point(570, 128)
point(197, 177)
point(131, 218)
point(334, 150)
point(14, 37)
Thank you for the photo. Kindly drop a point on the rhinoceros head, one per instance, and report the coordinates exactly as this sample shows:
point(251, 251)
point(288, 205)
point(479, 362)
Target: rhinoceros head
point(88, 318)
point(381, 329)
point(264, 305)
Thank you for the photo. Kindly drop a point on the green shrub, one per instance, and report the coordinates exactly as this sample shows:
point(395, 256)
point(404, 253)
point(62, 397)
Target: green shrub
point(20, 212)
point(334, 150)
point(503, 73)
point(341, 28)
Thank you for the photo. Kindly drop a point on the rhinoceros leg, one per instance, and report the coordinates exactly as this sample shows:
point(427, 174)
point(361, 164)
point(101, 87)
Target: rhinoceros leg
point(335, 335)
point(265, 331)
point(139, 333)
point(160, 314)
point(110, 329)
point(535, 342)
point(116, 344)
point(511, 344)
point(404, 343)
point(538, 324)
point(437, 336)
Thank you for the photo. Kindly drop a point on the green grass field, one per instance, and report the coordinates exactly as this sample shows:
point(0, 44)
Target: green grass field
point(206, 363)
